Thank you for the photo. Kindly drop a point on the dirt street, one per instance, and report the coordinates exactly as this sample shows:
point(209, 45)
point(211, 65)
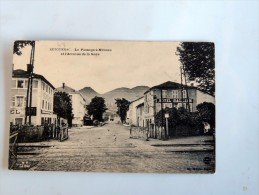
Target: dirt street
point(110, 149)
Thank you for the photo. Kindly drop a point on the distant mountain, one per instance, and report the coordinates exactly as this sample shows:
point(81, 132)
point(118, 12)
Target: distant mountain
point(88, 93)
point(140, 90)
point(123, 92)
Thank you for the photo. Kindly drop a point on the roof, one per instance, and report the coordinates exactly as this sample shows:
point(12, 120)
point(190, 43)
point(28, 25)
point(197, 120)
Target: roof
point(69, 90)
point(19, 73)
point(170, 85)
point(66, 89)
point(137, 99)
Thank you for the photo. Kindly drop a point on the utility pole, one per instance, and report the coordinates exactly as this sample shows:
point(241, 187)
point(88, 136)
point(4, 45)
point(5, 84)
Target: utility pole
point(29, 88)
point(162, 114)
point(154, 97)
point(31, 79)
point(187, 93)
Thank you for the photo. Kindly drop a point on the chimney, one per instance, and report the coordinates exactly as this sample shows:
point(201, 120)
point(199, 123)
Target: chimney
point(29, 68)
point(63, 85)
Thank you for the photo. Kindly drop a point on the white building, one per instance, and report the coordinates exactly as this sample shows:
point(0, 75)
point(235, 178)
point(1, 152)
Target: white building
point(78, 104)
point(42, 99)
point(133, 117)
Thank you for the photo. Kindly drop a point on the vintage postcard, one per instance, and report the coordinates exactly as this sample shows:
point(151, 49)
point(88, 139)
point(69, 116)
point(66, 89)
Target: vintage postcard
point(113, 106)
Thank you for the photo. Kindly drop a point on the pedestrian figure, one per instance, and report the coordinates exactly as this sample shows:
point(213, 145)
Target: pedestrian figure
point(114, 138)
point(206, 127)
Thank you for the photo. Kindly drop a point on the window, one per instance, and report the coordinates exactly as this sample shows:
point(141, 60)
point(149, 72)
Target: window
point(175, 93)
point(42, 104)
point(42, 120)
point(19, 101)
point(13, 101)
point(18, 121)
point(35, 84)
point(20, 84)
point(184, 94)
point(164, 93)
point(46, 104)
point(43, 86)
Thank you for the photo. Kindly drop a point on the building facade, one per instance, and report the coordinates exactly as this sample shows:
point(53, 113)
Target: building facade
point(142, 111)
point(42, 99)
point(172, 95)
point(132, 117)
point(78, 104)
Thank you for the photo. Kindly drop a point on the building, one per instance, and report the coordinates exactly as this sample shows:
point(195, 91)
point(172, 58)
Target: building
point(140, 115)
point(78, 104)
point(132, 117)
point(42, 99)
point(171, 94)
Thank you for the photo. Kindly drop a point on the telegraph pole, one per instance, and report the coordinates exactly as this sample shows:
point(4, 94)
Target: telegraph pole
point(31, 79)
point(154, 97)
point(187, 94)
point(162, 114)
point(28, 95)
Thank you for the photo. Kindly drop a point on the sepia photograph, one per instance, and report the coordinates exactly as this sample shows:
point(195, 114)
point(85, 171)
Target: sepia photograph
point(113, 106)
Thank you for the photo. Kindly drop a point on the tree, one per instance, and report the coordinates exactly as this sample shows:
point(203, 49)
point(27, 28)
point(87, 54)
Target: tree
point(63, 106)
point(18, 45)
point(172, 120)
point(206, 113)
point(198, 60)
point(96, 108)
point(123, 107)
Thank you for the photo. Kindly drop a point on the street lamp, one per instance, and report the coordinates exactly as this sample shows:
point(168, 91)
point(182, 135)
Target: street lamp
point(167, 130)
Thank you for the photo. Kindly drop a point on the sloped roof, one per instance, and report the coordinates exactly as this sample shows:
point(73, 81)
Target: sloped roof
point(19, 73)
point(169, 85)
point(66, 89)
point(69, 90)
point(137, 99)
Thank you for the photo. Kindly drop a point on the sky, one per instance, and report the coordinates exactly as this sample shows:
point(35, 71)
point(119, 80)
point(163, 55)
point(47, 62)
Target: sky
point(118, 64)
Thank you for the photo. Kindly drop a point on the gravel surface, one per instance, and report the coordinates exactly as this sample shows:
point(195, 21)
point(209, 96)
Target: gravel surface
point(110, 149)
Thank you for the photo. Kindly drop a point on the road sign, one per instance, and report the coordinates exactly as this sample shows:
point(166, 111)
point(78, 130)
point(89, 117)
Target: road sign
point(33, 111)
